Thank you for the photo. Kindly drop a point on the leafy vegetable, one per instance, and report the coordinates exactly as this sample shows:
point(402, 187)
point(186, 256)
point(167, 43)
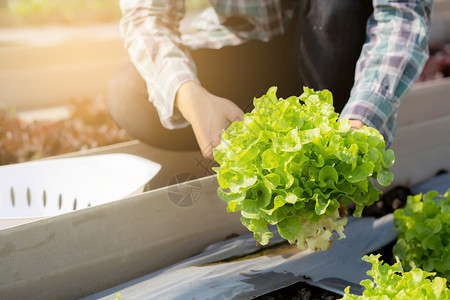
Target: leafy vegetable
point(424, 233)
point(296, 166)
point(390, 282)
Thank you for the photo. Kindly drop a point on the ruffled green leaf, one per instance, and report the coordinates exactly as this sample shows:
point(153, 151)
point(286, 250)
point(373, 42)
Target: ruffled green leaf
point(271, 160)
point(385, 178)
point(250, 209)
point(292, 158)
point(290, 228)
point(388, 158)
point(277, 203)
point(233, 200)
point(392, 282)
point(248, 155)
point(361, 172)
point(259, 229)
point(273, 180)
point(424, 227)
point(328, 176)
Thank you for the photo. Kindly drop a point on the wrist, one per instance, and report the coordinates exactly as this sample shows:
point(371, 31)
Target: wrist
point(356, 124)
point(187, 94)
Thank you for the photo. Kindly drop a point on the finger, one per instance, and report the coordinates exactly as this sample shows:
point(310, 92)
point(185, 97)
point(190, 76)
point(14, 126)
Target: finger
point(234, 113)
point(356, 124)
point(208, 155)
point(209, 151)
point(234, 118)
point(240, 116)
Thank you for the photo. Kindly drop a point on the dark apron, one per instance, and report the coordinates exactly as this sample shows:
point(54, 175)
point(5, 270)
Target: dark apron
point(319, 50)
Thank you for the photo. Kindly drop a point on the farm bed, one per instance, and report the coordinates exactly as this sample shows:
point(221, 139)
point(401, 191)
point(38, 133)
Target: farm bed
point(276, 271)
point(90, 250)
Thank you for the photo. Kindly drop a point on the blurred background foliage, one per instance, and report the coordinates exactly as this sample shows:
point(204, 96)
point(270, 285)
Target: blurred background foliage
point(67, 12)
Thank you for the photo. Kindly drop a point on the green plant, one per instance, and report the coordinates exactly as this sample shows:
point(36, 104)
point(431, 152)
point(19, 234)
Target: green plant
point(391, 282)
point(424, 233)
point(296, 166)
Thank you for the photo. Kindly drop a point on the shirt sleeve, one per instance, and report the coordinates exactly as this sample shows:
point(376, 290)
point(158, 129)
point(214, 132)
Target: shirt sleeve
point(392, 58)
point(150, 30)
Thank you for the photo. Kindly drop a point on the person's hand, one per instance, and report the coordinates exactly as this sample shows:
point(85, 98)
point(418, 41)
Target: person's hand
point(356, 124)
point(207, 113)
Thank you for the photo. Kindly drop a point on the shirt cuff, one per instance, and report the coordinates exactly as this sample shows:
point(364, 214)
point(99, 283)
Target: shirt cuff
point(370, 107)
point(374, 110)
point(163, 98)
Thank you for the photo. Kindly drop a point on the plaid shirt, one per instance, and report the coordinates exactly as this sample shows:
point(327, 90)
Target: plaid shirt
point(391, 59)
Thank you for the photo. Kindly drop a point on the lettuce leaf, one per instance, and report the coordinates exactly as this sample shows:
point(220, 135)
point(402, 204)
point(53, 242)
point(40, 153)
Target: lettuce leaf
point(293, 164)
point(391, 282)
point(424, 233)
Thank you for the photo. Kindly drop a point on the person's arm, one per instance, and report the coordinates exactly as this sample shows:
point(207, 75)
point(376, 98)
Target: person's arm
point(152, 38)
point(208, 114)
point(150, 31)
point(392, 58)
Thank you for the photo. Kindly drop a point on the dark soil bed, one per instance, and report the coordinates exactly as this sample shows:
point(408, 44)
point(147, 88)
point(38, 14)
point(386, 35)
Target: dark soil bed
point(300, 291)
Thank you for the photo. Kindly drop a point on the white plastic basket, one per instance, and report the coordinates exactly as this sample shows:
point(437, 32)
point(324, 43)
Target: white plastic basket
point(39, 189)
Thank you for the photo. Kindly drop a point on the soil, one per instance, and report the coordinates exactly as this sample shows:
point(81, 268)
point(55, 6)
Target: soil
point(300, 291)
point(88, 126)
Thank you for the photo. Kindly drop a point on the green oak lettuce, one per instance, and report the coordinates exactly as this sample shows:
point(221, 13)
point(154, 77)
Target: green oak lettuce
point(391, 282)
point(424, 233)
point(293, 164)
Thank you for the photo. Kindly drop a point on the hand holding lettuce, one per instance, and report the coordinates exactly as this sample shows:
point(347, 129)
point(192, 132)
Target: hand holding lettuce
point(297, 166)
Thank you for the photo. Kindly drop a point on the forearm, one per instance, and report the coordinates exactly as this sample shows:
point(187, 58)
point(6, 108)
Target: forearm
point(391, 60)
point(187, 99)
point(151, 36)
